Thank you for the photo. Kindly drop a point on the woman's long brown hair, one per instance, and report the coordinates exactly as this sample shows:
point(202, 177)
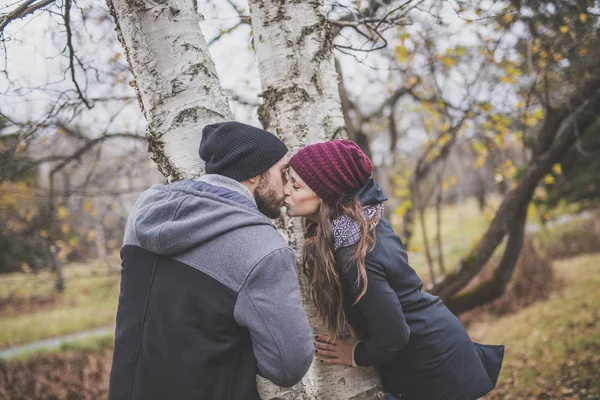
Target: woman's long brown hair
point(319, 260)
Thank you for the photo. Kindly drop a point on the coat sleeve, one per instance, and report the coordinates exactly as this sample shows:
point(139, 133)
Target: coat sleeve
point(269, 305)
point(389, 332)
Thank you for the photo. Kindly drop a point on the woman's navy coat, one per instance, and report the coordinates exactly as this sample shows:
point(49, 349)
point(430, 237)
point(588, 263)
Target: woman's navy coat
point(421, 349)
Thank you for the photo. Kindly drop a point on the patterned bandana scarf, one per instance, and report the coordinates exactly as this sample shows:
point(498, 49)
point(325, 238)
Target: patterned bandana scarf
point(345, 229)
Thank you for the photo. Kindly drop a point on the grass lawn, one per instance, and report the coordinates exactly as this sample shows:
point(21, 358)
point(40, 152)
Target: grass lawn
point(30, 309)
point(552, 347)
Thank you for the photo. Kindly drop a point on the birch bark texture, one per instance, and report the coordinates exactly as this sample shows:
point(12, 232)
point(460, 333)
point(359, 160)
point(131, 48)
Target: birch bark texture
point(293, 42)
point(175, 78)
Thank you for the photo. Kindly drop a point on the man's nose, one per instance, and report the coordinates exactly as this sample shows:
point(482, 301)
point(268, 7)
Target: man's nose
point(286, 189)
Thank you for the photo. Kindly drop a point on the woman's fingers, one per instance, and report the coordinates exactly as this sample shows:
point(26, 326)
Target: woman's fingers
point(331, 361)
point(327, 353)
point(325, 346)
point(324, 339)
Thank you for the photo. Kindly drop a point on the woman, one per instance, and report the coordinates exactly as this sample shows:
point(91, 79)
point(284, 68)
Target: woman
point(358, 272)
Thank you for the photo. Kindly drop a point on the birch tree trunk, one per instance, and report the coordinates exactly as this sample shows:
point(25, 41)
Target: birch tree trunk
point(294, 47)
point(175, 79)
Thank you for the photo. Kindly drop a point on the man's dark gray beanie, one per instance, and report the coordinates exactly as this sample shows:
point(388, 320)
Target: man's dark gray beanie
point(239, 151)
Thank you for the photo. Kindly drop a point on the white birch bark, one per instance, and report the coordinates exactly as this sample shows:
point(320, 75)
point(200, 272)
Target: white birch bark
point(294, 47)
point(176, 81)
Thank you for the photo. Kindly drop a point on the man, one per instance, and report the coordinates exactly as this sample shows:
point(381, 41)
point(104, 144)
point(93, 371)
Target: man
point(209, 295)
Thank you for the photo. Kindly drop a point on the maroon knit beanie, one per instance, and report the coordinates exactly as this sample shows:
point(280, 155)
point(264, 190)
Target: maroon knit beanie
point(332, 169)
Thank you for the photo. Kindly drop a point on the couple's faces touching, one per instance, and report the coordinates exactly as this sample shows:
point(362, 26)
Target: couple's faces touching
point(280, 186)
point(267, 189)
point(300, 200)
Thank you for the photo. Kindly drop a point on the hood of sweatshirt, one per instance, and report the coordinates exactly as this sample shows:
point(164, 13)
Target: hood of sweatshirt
point(173, 218)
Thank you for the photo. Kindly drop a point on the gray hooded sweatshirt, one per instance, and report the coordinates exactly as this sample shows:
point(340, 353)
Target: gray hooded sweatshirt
point(209, 297)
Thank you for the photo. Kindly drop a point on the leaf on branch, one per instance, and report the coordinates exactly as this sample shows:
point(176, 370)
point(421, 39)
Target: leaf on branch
point(557, 169)
point(479, 162)
point(401, 53)
point(62, 212)
point(91, 235)
point(448, 61)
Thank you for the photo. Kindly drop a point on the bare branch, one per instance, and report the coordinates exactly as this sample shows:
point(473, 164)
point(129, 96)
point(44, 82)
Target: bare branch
point(245, 20)
point(22, 11)
point(67, 17)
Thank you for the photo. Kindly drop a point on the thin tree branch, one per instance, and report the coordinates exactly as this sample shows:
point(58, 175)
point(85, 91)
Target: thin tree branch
point(22, 11)
point(67, 18)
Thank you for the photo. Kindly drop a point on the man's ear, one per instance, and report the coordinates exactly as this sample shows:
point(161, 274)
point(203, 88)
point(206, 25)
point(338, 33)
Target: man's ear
point(253, 180)
point(251, 183)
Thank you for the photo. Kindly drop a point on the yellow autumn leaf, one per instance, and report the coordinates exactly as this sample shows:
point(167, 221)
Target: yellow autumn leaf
point(87, 205)
point(448, 61)
point(583, 17)
point(485, 106)
point(531, 121)
point(538, 114)
point(19, 292)
point(44, 233)
point(557, 169)
point(62, 212)
point(549, 179)
point(460, 51)
point(64, 228)
point(404, 36)
point(479, 162)
point(445, 138)
point(444, 127)
point(73, 242)
point(557, 57)
point(401, 53)
point(404, 206)
point(507, 79)
point(91, 235)
point(532, 209)
point(564, 29)
point(60, 131)
point(512, 71)
point(412, 81)
point(583, 52)
point(478, 147)
point(508, 18)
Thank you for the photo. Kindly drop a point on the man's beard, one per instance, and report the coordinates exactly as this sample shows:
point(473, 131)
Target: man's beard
point(267, 200)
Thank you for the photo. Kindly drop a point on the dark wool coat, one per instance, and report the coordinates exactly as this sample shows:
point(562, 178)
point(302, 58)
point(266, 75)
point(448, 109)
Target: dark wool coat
point(420, 348)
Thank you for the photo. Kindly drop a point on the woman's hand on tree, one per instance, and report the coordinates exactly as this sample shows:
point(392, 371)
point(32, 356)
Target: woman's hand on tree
point(335, 350)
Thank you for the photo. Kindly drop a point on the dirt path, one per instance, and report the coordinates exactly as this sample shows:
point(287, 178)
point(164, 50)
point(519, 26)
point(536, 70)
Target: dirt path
point(54, 343)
